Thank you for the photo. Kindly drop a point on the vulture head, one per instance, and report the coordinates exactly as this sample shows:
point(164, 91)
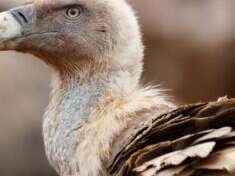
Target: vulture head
point(71, 34)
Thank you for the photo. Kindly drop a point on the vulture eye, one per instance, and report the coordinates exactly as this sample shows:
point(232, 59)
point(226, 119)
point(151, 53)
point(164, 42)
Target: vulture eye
point(73, 12)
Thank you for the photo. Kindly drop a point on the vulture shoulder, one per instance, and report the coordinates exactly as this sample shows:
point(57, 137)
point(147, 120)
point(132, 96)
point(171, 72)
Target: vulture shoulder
point(193, 140)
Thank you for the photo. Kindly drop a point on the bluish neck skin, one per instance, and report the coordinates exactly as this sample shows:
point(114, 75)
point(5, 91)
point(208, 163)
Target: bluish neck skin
point(71, 103)
point(65, 115)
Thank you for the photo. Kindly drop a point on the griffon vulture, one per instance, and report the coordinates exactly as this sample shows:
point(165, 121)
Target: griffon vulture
point(101, 121)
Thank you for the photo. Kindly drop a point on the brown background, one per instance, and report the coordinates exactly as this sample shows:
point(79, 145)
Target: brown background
point(190, 49)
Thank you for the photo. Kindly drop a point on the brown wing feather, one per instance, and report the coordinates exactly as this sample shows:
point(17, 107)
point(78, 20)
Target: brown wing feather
point(190, 141)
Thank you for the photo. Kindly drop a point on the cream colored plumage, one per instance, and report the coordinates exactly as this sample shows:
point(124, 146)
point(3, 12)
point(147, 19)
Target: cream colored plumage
point(101, 120)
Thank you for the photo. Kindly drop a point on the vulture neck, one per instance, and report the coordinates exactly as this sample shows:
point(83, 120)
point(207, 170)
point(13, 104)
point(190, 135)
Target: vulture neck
point(78, 93)
point(92, 114)
point(73, 119)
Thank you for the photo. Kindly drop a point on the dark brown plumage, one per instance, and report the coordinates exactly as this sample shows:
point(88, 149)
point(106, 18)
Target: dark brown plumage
point(193, 140)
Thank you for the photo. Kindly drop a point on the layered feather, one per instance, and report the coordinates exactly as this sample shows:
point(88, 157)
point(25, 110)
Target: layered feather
point(193, 140)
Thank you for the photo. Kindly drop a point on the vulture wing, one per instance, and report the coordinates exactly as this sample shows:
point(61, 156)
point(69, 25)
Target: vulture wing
point(194, 140)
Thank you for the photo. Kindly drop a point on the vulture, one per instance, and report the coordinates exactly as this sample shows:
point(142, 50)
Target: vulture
point(101, 121)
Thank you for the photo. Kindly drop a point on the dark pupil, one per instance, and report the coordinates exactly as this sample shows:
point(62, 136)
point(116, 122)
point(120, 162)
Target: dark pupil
point(73, 11)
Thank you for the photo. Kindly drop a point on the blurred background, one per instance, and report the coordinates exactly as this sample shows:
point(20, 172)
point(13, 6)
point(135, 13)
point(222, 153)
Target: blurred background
point(190, 49)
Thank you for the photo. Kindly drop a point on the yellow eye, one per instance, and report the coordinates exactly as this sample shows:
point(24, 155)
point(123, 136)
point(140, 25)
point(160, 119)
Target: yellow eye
point(73, 12)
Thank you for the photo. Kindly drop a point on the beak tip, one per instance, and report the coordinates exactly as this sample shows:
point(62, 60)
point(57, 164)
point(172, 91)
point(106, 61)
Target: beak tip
point(9, 27)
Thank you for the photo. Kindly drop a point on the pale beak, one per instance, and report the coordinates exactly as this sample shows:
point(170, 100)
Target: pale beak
point(14, 24)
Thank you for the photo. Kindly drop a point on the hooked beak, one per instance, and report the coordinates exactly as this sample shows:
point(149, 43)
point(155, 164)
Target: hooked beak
point(15, 23)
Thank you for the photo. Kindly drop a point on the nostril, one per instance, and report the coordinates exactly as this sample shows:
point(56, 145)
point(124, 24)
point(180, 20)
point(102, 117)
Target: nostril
point(23, 17)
